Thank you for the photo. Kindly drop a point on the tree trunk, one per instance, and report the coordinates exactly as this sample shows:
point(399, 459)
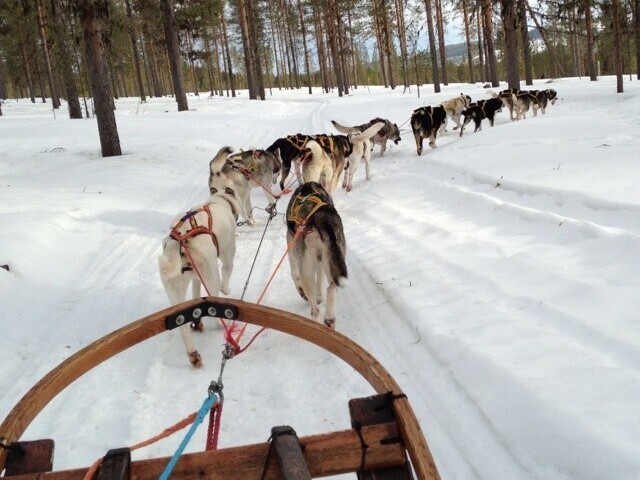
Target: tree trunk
point(92, 14)
point(55, 99)
point(246, 45)
point(380, 41)
point(332, 14)
point(73, 102)
point(487, 13)
point(304, 44)
point(484, 73)
point(573, 41)
point(472, 77)
point(173, 52)
point(292, 46)
point(510, 43)
point(210, 60)
point(432, 47)
point(636, 30)
point(255, 50)
point(25, 65)
point(441, 46)
point(387, 43)
point(353, 49)
point(617, 50)
point(591, 64)
point(192, 64)
point(526, 46)
point(136, 54)
point(402, 35)
point(227, 54)
point(322, 60)
point(274, 45)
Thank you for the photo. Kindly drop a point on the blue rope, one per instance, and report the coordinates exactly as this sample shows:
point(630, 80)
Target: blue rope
point(206, 406)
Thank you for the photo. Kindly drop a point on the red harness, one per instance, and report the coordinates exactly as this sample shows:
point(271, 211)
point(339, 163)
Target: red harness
point(194, 229)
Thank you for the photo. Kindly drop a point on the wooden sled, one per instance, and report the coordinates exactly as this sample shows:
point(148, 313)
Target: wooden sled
point(385, 426)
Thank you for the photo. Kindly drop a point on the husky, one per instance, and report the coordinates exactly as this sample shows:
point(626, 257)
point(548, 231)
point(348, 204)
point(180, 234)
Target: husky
point(454, 108)
point(260, 169)
point(340, 148)
point(507, 97)
point(479, 111)
point(389, 131)
point(347, 151)
point(425, 123)
point(319, 250)
point(197, 240)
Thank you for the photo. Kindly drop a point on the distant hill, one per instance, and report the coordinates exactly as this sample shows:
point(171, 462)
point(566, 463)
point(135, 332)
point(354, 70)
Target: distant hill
point(457, 51)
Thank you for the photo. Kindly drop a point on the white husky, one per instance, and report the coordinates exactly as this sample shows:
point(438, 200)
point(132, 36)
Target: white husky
point(197, 240)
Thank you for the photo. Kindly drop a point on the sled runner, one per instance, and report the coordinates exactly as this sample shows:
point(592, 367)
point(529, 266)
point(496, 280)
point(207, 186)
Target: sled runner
point(385, 432)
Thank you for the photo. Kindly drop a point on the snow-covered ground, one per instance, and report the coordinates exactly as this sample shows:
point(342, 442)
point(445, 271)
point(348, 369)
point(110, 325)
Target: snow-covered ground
point(497, 278)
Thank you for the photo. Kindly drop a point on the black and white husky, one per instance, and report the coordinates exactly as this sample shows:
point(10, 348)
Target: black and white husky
point(198, 238)
point(425, 123)
point(318, 252)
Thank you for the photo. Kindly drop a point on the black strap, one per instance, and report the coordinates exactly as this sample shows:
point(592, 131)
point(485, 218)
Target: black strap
point(358, 428)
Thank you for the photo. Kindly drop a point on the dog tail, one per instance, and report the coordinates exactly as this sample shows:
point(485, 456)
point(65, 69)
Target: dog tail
point(167, 260)
point(219, 160)
point(317, 152)
point(342, 128)
point(367, 134)
point(492, 93)
point(331, 230)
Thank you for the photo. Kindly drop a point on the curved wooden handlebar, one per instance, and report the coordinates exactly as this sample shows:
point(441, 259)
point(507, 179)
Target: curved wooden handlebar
point(77, 365)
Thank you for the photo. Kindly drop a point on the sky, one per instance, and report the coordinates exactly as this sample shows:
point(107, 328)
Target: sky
point(495, 277)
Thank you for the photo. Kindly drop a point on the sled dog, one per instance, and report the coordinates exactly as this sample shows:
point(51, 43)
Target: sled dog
point(479, 111)
point(260, 169)
point(196, 241)
point(389, 131)
point(454, 108)
point(425, 123)
point(340, 148)
point(318, 252)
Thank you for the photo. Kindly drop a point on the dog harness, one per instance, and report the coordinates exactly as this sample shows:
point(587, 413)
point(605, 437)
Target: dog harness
point(302, 207)
point(193, 230)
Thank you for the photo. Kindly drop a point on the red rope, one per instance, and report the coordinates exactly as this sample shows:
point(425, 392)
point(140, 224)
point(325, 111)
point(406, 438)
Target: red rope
point(213, 430)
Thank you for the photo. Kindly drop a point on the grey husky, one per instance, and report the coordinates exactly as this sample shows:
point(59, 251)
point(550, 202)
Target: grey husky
point(319, 249)
point(253, 169)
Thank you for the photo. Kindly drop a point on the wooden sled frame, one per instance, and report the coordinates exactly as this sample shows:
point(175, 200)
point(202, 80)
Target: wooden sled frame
point(34, 401)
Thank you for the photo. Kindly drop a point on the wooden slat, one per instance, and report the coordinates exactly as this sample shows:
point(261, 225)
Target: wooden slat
point(374, 411)
point(289, 454)
point(75, 366)
point(327, 454)
point(30, 457)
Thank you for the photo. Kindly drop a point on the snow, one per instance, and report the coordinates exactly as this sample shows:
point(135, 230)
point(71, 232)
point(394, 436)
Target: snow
point(496, 277)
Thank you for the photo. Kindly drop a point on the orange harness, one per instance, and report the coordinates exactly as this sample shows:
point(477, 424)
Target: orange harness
point(194, 230)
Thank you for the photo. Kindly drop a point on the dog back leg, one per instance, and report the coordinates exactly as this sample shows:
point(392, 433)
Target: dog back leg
point(383, 146)
point(432, 138)
point(418, 136)
point(308, 276)
point(367, 163)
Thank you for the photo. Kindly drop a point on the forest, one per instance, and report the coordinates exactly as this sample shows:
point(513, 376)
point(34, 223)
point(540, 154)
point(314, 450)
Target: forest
point(89, 52)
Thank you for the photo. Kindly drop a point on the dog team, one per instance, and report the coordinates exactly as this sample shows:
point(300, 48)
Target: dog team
point(427, 121)
point(315, 235)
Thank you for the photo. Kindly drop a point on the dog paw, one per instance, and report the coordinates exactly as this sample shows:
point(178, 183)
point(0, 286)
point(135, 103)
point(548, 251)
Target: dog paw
point(348, 188)
point(301, 293)
point(195, 359)
point(225, 289)
point(330, 322)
